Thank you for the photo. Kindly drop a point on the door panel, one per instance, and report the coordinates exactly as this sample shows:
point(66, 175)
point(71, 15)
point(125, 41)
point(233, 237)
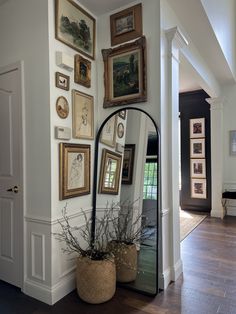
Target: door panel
point(11, 203)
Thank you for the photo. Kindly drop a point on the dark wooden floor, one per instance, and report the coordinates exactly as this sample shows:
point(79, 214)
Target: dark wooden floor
point(207, 286)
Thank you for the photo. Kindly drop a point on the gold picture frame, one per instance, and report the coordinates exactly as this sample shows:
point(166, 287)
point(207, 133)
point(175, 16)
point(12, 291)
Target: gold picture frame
point(110, 169)
point(128, 164)
point(125, 74)
point(74, 161)
point(75, 27)
point(108, 134)
point(126, 25)
point(82, 115)
point(82, 71)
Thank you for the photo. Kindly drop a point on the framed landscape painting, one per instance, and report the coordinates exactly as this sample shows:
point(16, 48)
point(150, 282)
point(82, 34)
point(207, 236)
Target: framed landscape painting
point(125, 74)
point(128, 164)
point(82, 71)
point(74, 160)
point(126, 25)
point(75, 27)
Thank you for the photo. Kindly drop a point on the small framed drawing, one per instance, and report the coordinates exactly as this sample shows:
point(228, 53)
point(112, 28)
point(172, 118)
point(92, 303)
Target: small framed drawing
point(62, 81)
point(128, 164)
point(82, 71)
point(110, 172)
point(75, 27)
point(232, 142)
point(74, 163)
point(108, 135)
point(83, 115)
point(125, 74)
point(197, 128)
point(120, 130)
point(197, 148)
point(126, 25)
point(122, 114)
point(198, 188)
point(198, 168)
point(62, 107)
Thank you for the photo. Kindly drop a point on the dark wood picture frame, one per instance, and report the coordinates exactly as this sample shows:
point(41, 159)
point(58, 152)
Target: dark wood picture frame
point(109, 181)
point(126, 25)
point(71, 20)
point(82, 71)
point(125, 74)
point(128, 164)
point(62, 81)
point(74, 163)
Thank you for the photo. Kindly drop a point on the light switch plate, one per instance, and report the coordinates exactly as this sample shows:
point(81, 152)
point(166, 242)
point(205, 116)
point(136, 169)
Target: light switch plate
point(64, 61)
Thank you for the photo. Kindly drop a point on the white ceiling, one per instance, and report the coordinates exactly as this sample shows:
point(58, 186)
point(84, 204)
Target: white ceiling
point(99, 7)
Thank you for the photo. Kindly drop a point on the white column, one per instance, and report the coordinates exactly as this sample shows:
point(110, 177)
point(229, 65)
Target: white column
point(216, 156)
point(175, 41)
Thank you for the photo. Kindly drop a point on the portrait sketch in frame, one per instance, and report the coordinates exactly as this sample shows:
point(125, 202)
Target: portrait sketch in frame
point(198, 168)
point(125, 74)
point(122, 114)
point(75, 27)
point(110, 169)
point(198, 188)
point(83, 115)
point(126, 25)
point(108, 135)
point(128, 164)
point(82, 70)
point(197, 148)
point(197, 128)
point(74, 163)
point(120, 130)
point(232, 142)
point(62, 81)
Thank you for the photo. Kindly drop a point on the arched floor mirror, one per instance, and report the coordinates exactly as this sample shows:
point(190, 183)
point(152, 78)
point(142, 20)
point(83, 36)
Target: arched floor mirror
point(126, 169)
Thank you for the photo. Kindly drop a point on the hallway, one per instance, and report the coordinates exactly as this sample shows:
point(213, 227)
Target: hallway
point(208, 284)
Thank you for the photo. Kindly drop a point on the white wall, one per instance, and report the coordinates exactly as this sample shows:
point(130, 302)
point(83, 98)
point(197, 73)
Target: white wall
point(221, 15)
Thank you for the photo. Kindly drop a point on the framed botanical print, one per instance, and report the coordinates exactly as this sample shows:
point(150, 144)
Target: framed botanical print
point(198, 168)
point(128, 164)
point(74, 160)
point(82, 71)
point(62, 107)
point(198, 188)
point(197, 128)
point(125, 74)
point(110, 172)
point(197, 148)
point(62, 81)
point(126, 25)
point(75, 27)
point(83, 115)
point(108, 135)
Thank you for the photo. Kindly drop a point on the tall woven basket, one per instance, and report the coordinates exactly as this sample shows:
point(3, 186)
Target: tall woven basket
point(96, 280)
point(126, 261)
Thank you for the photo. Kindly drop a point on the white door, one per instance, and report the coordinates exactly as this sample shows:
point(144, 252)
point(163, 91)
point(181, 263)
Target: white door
point(11, 196)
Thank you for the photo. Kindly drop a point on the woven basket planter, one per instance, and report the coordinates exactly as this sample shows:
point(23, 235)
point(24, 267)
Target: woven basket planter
point(126, 261)
point(96, 280)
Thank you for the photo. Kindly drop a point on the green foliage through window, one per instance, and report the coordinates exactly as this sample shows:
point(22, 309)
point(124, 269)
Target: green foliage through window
point(150, 181)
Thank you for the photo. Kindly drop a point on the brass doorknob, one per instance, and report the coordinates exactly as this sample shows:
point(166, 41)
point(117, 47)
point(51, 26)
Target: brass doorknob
point(15, 189)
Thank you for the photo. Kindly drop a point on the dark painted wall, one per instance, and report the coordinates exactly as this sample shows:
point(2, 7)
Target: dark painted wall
point(193, 105)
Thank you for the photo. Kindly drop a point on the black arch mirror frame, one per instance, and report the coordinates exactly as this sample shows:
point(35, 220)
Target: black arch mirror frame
point(94, 191)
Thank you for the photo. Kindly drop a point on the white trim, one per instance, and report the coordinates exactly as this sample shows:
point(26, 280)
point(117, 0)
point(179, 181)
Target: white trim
point(33, 254)
point(176, 270)
point(165, 212)
point(165, 279)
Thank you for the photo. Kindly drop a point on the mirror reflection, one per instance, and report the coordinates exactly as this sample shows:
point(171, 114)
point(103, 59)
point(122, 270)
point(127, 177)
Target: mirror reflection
point(128, 181)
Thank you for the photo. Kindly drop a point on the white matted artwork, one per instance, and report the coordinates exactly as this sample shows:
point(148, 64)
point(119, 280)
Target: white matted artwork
point(197, 128)
point(198, 168)
point(197, 148)
point(108, 135)
point(198, 188)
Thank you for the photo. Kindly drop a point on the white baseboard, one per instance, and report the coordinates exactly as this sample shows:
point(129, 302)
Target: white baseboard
point(165, 279)
point(176, 270)
point(49, 295)
point(220, 213)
